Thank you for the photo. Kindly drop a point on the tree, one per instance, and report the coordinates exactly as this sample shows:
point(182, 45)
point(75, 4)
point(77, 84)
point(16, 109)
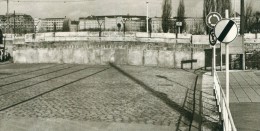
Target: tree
point(222, 5)
point(209, 6)
point(166, 15)
point(54, 27)
point(215, 6)
point(256, 25)
point(100, 23)
point(257, 16)
point(249, 17)
point(181, 15)
point(118, 26)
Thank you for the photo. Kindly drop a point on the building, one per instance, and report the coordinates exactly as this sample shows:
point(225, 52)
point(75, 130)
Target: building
point(37, 24)
point(17, 23)
point(194, 25)
point(48, 24)
point(237, 21)
point(112, 23)
point(157, 25)
point(74, 26)
point(91, 23)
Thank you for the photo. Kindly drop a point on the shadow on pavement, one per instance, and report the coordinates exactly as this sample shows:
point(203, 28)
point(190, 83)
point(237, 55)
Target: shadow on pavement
point(189, 115)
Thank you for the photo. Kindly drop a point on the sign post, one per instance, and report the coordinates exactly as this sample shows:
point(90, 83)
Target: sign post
point(213, 41)
point(226, 31)
point(179, 24)
point(211, 20)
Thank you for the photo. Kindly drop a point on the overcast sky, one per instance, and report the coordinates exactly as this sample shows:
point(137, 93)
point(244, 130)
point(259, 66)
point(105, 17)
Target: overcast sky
point(103, 7)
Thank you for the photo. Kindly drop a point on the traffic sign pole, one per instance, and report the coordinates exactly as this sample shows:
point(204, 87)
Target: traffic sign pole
point(214, 61)
point(227, 67)
point(226, 31)
point(213, 41)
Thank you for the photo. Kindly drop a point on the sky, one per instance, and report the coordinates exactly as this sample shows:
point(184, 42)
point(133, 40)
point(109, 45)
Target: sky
point(74, 10)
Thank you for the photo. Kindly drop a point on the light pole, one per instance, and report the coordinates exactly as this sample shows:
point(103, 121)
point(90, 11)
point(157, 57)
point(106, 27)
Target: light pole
point(147, 16)
point(124, 21)
point(4, 37)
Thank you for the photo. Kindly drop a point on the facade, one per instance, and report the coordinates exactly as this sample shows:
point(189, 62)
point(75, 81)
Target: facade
point(47, 24)
point(74, 26)
point(237, 20)
point(90, 23)
point(157, 25)
point(112, 23)
point(17, 23)
point(194, 25)
point(37, 24)
point(136, 24)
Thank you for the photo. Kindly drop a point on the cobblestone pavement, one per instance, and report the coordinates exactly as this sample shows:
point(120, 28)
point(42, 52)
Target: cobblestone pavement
point(95, 93)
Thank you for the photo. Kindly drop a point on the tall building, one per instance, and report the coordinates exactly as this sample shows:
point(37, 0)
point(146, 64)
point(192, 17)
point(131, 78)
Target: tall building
point(48, 24)
point(17, 23)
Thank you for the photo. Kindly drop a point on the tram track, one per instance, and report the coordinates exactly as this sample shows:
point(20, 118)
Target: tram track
point(23, 73)
point(52, 89)
point(28, 86)
point(33, 77)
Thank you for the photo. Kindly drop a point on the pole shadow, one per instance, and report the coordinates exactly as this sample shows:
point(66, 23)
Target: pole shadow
point(189, 115)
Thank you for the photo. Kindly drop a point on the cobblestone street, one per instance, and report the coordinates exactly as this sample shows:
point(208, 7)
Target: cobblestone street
point(94, 93)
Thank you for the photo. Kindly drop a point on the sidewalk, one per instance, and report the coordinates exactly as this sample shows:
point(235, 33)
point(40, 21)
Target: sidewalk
point(51, 124)
point(244, 99)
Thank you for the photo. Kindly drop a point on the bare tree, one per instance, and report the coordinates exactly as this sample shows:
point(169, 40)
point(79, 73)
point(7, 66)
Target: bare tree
point(256, 25)
point(100, 23)
point(166, 15)
point(209, 6)
point(181, 15)
point(249, 17)
point(222, 5)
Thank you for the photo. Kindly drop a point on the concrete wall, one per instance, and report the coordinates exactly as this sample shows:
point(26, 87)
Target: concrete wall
point(122, 53)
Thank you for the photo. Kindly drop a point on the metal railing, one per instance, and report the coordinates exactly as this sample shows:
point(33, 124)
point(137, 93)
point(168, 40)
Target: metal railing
point(228, 123)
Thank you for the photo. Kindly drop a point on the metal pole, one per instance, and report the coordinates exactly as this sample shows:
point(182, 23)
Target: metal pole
point(14, 23)
point(7, 13)
point(227, 77)
point(147, 15)
point(213, 61)
point(221, 58)
point(242, 18)
point(242, 30)
point(4, 49)
point(7, 7)
point(235, 9)
point(227, 68)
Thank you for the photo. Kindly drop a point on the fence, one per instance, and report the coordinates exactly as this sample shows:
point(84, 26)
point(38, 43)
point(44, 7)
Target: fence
point(228, 123)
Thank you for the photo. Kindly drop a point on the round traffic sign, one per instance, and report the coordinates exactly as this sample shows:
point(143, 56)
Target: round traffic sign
point(212, 19)
point(226, 31)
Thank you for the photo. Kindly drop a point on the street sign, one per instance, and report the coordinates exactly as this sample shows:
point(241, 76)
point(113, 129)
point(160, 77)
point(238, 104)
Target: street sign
point(1, 37)
point(178, 23)
point(212, 19)
point(226, 31)
point(212, 38)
